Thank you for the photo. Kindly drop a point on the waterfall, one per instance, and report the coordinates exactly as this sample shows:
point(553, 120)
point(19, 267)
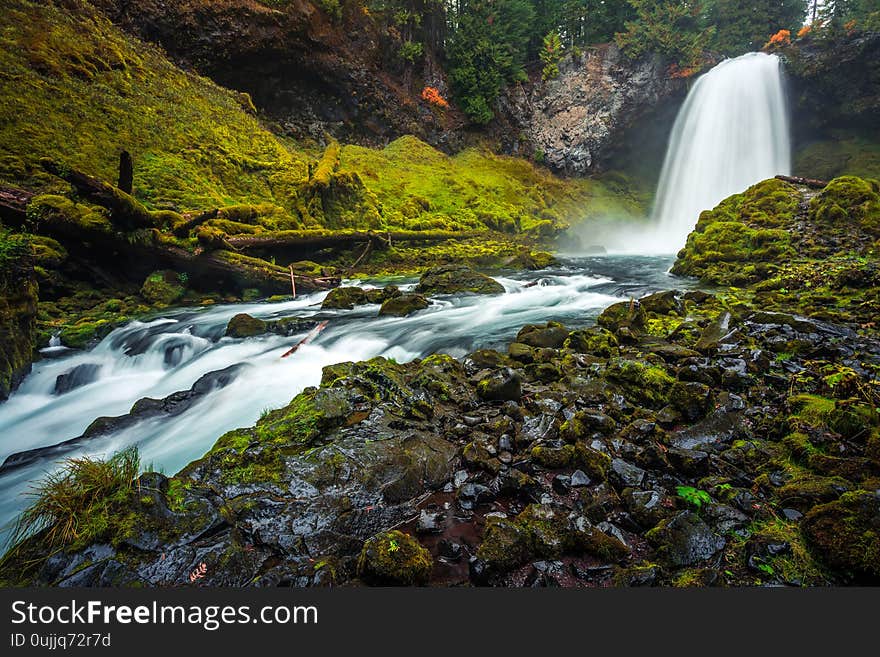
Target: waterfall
point(731, 133)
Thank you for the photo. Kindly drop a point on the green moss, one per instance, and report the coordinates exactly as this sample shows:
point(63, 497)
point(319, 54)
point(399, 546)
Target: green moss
point(845, 534)
point(163, 287)
point(92, 90)
point(849, 199)
point(649, 384)
point(394, 558)
point(844, 154)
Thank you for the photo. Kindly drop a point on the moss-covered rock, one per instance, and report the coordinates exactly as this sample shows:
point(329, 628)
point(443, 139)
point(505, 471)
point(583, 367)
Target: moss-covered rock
point(550, 336)
point(243, 325)
point(848, 199)
point(648, 384)
point(625, 314)
point(393, 558)
point(457, 279)
point(163, 287)
point(594, 341)
point(846, 535)
point(403, 305)
point(345, 298)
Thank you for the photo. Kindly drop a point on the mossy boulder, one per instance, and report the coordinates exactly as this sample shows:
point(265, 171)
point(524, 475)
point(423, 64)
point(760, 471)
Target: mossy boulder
point(403, 305)
point(594, 341)
point(692, 399)
point(845, 534)
point(344, 298)
point(648, 384)
point(163, 287)
point(457, 279)
point(394, 559)
point(550, 336)
point(625, 314)
point(382, 294)
point(554, 457)
point(848, 199)
point(503, 385)
point(685, 540)
point(245, 326)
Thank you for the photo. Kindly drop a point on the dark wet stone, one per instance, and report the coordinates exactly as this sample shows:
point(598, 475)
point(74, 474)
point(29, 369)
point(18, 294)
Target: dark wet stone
point(469, 495)
point(561, 484)
point(663, 303)
point(504, 385)
point(626, 474)
point(689, 461)
point(685, 540)
point(792, 514)
point(551, 336)
point(403, 305)
point(579, 479)
point(76, 377)
point(457, 279)
point(450, 550)
point(647, 507)
point(430, 522)
point(725, 518)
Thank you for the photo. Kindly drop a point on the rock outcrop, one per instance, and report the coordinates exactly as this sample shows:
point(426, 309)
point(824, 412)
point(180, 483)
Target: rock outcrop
point(576, 122)
point(18, 310)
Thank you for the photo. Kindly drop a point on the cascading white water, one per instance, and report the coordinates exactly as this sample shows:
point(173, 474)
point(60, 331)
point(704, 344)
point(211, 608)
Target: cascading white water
point(731, 133)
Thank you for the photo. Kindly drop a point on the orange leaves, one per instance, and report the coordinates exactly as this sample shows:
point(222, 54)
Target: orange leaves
point(781, 38)
point(675, 72)
point(432, 96)
point(804, 31)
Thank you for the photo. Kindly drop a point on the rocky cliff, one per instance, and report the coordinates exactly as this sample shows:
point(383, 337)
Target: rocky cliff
point(18, 309)
point(577, 122)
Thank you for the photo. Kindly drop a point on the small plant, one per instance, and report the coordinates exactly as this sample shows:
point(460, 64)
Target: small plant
point(74, 505)
point(432, 96)
point(693, 496)
point(393, 545)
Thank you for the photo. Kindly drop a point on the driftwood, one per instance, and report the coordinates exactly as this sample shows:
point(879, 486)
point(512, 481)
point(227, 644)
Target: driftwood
point(809, 182)
point(13, 205)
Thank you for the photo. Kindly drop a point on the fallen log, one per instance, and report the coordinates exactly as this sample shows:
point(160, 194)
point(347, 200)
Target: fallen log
point(319, 239)
point(808, 182)
point(183, 229)
point(13, 205)
point(126, 212)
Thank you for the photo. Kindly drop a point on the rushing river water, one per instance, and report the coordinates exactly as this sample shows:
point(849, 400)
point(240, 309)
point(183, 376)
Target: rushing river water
point(159, 356)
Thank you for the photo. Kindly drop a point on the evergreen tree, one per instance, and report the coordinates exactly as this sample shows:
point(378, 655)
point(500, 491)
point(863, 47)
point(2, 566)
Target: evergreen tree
point(487, 51)
point(741, 27)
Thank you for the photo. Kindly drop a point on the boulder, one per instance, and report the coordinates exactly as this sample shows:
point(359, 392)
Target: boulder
point(457, 279)
point(393, 558)
point(403, 305)
point(344, 298)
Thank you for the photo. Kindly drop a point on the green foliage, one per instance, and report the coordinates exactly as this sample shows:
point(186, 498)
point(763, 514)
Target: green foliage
point(487, 51)
point(741, 27)
point(80, 503)
point(671, 28)
point(410, 51)
point(693, 496)
point(551, 53)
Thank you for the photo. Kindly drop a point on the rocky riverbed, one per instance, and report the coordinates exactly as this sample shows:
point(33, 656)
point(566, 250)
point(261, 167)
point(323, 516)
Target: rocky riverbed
point(688, 439)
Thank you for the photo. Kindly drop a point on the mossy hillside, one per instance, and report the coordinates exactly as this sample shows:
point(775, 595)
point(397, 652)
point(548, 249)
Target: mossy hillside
point(421, 188)
point(77, 89)
point(18, 301)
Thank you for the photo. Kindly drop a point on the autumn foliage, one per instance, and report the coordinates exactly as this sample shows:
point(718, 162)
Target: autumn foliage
point(432, 95)
point(804, 31)
point(676, 72)
point(781, 38)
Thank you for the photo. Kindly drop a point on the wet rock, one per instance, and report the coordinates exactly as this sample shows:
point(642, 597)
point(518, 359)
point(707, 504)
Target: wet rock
point(403, 305)
point(504, 385)
point(457, 279)
point(345, 298)
point(626, 474)
point(685, 540)
point(245, 326)
point(640, 575)
point(551, 336)
point(163, 287)
point(394, 558)
point(647, 507)
point(626, 314)
point(691, 462)
point(382, 294)
point(429, 522)
point(792, 514)
point(725, 519)
point(450, 550)
point(693, 400)
point(76, 377)
point(521, 352)
point(470, 495)
point(579, 479)
point(663, 303)
point(715, 333)
point(561, 484)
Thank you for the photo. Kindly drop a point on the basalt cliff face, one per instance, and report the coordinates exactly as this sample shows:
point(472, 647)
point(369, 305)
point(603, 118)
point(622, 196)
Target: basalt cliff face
point(579, 121)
